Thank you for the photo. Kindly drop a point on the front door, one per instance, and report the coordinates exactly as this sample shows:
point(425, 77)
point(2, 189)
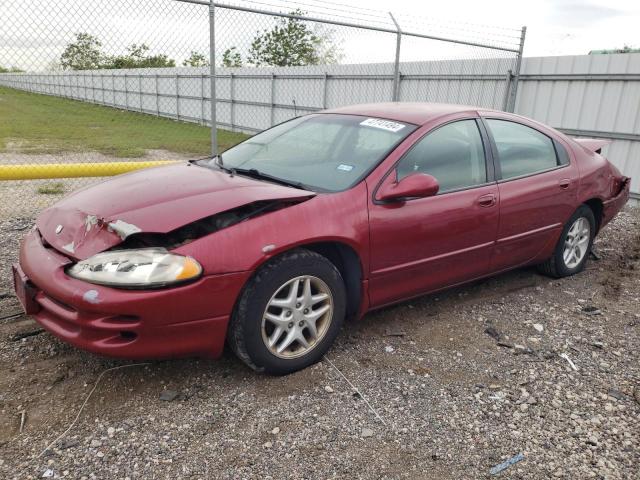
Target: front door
point(423, 244)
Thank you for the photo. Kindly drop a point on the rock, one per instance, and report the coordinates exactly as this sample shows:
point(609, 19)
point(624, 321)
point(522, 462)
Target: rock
point(99, 454)
point(538, 327)
point(276, 430)
point(599, 345)
point(616, 394)
point(591, 310)
point(328, 389)
point(367, 432)
point(267, 445)
point(95, 443)
point(389, 349)
point(168, 395)
point(493, 333)
point(111, 431)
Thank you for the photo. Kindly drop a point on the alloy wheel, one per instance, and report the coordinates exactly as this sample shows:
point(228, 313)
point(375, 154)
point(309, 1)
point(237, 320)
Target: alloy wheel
point(297, 317)
point(576, 243)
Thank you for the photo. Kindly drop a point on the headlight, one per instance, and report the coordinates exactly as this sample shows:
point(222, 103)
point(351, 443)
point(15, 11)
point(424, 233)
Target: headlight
point(141, 268)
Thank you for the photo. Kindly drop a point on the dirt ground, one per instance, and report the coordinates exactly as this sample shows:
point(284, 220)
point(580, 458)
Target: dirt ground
point(448, 386)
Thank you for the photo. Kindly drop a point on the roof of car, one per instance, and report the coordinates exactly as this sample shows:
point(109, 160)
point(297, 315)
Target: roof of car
point(417, 113)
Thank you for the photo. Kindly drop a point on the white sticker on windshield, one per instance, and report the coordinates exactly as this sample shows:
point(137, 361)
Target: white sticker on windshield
point(383, 124)
point(344, 167)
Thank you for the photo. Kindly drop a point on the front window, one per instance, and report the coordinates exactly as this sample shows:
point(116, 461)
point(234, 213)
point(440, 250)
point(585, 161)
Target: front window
point(453, 154)
point(325, 152)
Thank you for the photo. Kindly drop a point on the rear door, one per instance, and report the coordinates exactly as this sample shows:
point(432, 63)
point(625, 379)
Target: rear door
point(537, 183)
point(423, 244)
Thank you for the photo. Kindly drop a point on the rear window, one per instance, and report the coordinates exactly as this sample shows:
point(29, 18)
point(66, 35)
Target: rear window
point(522, 150)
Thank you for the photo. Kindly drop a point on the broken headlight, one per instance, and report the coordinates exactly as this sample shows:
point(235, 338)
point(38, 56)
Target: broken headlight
point(141, 268)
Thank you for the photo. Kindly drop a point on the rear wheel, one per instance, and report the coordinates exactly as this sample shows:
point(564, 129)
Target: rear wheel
point(574, 245)
point(289, 313)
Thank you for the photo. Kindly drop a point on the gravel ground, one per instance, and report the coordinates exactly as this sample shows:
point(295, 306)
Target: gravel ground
point(457, 383)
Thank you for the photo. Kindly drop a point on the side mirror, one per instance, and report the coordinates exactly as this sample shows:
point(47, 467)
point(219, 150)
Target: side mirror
point(416, 185)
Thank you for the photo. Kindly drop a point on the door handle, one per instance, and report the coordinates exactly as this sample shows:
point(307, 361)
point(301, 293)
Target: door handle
point(564, 183)
point(488, 200)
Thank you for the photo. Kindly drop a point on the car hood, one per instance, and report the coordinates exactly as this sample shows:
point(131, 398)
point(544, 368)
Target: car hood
point(154, 200)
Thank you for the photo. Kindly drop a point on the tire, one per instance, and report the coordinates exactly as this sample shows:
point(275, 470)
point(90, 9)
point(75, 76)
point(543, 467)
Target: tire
point(557, 266)
point(258, 313)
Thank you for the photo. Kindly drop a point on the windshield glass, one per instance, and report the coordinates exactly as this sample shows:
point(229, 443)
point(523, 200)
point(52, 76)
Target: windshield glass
point(326, 152)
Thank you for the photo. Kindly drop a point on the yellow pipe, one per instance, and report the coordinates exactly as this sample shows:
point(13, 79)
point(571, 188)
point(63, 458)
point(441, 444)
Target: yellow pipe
point(73, 170)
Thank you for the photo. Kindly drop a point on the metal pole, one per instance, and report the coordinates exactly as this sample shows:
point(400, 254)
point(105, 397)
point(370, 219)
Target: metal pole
point(507, 89)
point(178, 96)
point(202, 122)
point(140, 90)
point(514, 89)
point(272, 111)
point(396, 65)
point(212, 78)
point(232, 98)
point(157, 92)
point(324, 90)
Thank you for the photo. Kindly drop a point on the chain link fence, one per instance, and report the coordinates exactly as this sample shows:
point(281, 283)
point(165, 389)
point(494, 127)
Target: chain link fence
point(266, 62)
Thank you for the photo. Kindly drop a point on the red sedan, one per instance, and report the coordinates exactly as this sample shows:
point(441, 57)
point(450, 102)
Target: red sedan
point(272, 245)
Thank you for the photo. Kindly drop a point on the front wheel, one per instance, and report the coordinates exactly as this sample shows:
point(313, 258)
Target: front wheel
point(574, 245)
point(289, 313)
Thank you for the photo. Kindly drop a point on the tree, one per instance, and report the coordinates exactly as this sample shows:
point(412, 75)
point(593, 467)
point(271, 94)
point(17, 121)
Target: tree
point(137, 57)
point(196, 59)
point(10, 69)
point(83, 54)
point(231, 58)
point(291, 42)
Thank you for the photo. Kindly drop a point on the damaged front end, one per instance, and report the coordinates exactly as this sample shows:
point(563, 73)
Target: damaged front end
point(205, 226)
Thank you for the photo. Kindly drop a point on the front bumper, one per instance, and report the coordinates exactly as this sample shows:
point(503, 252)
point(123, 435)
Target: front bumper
point(187, 320)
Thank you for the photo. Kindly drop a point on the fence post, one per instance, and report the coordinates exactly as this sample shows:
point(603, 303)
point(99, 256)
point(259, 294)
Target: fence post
point(157, 92)
point(202, 122)
point(212, 64)
point(507, 90)
point(126, 93)
point(273, 99)
point(232, 98)
point(140, 90)
point(177, 96)
point(396, 65)
point(324, 90)
point(516, 77)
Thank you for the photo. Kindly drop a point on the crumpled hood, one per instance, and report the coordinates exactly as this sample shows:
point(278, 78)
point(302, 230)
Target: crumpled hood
point(154, 200)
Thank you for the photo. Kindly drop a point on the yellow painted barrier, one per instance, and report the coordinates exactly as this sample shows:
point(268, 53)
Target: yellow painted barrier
point(73, 170)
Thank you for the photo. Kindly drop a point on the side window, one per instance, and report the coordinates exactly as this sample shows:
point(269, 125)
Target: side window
point(453, 154)
point(522, 150)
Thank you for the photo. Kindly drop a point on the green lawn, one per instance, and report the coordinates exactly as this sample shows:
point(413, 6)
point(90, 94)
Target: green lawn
point(33, 123)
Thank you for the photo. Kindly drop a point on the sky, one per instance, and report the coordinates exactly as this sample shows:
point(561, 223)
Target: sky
point(554, 27)
point(35, 32)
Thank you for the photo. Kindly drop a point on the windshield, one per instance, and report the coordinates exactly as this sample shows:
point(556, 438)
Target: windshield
point(325, 152)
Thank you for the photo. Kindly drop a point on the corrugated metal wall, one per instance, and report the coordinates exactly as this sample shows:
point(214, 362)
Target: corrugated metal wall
point(588, 96)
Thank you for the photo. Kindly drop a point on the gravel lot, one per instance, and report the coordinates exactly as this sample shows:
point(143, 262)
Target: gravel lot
point(461, 381)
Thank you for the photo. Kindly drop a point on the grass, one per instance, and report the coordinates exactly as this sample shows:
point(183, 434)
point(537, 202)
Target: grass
point(56, 188)
point(33, 123)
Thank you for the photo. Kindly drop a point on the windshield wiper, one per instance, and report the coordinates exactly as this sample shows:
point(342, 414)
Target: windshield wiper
point(255, 173)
